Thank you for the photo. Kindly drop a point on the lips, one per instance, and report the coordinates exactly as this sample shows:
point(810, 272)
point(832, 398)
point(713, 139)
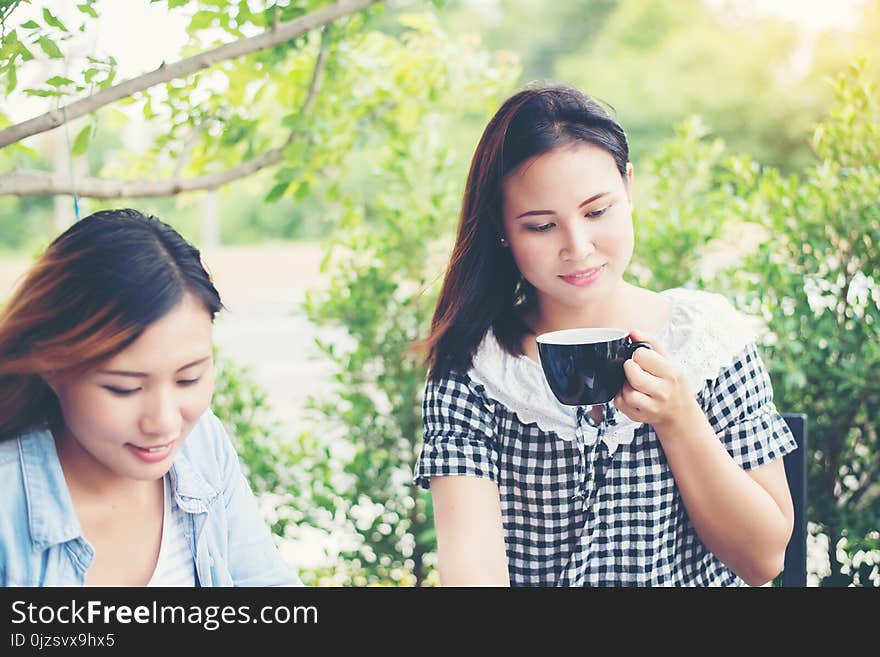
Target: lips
point(153, 453)
point(583, 273)
point(583, 277)
point(156, 448)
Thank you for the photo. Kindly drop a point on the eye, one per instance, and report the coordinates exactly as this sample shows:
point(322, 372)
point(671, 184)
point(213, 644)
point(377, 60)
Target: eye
point(597, 213)
point(543, 228)
point(121, 392)
point(189, 382)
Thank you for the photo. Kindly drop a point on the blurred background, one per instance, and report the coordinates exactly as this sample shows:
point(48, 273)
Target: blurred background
point(320, 172)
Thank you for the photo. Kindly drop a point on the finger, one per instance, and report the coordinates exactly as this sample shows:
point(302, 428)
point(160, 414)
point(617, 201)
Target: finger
point(655, 363)
point(632, 403)
point(641, 380)
point(638, 335)
point(637, 399)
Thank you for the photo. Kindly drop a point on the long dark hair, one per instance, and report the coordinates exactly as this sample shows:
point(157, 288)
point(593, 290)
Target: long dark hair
point(94, 290)
point(483, 287)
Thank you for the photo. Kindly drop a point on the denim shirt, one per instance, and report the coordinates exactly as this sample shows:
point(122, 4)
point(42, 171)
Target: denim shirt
point(42, 544)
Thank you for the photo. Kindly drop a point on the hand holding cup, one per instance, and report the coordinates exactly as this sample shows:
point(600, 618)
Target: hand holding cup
point(656, 390)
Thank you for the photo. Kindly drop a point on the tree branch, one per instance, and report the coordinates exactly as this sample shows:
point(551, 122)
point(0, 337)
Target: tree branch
point(318, 71)
point(277, 34)
point(39, 183)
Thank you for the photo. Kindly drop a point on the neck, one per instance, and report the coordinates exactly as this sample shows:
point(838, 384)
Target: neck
point(608, 312)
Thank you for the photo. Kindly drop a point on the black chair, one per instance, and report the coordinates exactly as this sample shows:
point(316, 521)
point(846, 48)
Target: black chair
point(794, 572)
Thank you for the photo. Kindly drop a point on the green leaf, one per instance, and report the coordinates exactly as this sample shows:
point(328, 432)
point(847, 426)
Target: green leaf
point(42, 93)
point(11, 79)
point(276, 192)
point(296, 151)
point(59, 81)
point(51, 20)
point(302, 191)
point(244, 12)
point(88, 9)
point(30, 25)
point(81, 142)
point(26, 55)
point(50, 48)
point(202, 19)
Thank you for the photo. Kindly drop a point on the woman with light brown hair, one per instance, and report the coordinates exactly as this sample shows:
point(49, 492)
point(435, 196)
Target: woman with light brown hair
point(113, 469)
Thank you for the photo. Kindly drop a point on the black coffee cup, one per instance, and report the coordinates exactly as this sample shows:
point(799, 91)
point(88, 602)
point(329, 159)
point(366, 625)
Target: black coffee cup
point(584, 366)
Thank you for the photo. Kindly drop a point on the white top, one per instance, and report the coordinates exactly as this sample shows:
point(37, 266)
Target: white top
point(704, 334)
point(176, 565)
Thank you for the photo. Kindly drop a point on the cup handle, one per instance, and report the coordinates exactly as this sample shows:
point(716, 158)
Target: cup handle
point(636, 345)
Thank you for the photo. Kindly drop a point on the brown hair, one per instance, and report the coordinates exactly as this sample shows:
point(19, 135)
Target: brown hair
point(94, 290)
point(483, 287)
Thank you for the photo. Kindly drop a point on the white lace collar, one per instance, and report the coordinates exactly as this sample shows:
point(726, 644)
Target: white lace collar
point(704, 334)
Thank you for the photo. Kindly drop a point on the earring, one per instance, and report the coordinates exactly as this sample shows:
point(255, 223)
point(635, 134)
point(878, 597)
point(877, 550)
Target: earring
point(503, 242)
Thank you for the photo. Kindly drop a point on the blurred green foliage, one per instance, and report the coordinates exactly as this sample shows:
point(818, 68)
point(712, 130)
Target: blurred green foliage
point(349, 475)
point(680, 208)
point(756, 79)
point(801, 255)
point(660, 63)
point(378, 298)
point(814, 280)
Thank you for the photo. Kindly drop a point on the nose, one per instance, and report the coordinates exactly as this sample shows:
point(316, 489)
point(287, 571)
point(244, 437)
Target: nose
point(161, 416)
point(577, 242)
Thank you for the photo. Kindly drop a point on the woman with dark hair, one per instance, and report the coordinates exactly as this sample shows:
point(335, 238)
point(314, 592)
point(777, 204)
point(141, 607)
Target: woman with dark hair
point(113, 470)
point(678, 480)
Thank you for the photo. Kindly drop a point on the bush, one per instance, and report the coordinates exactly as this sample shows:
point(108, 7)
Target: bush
point(814, 282)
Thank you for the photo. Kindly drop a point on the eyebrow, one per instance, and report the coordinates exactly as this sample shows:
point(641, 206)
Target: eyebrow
point(533, 213)
point(142, 375)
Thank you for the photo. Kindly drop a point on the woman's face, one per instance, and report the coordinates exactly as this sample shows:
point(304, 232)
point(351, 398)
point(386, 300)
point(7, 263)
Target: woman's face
point(128, 416)
point(568, 222)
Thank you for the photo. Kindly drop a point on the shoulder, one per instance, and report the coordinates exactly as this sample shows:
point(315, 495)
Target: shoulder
point(13, 511)
point(497, 387)
point(456, 390)
point(706, 333)
point(456, 402)
point(11, 482)
point(697, 299)
point(488, 356)
point(709, 313)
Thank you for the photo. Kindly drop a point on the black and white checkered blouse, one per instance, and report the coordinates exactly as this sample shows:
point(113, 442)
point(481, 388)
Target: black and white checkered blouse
point(595, 504)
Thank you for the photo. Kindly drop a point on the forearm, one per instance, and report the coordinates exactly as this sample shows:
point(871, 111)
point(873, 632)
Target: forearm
point(471, 565)
point(470, 538)
point(734, 516)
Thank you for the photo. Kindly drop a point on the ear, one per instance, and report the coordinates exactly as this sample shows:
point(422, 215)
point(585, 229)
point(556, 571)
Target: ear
point(629, 183)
